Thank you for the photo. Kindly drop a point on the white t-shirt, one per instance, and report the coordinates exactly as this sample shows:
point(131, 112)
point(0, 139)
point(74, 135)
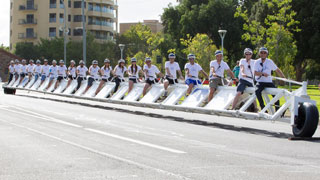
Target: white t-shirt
point(23, 69)
point(53, 71)
point(37, 69)
point(62, 71)
point(120, 72)
point(193, 70)
point(94, 71)
point(30, 68)
point(72, 71)
point(151, 72)
point(219, 68)
point(11, 69)
point(45, 70)
point(135, 73)
point(106, 72)
point(173, 68)
point(265, 67)
point(248, 71)
point(17, 68)
point(82, 71)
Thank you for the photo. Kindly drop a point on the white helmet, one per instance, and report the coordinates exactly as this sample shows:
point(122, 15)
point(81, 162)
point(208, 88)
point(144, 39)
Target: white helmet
point(72, 61)
point(133, 59)
point(121, 61)
point(147, 59)
point(191, 56)
point(106, 60)
point(38, 61)
point(54, 62)
point(81, 62)
point(95, 62)
point(61, 61)
point(171, 55)
point(247, 50)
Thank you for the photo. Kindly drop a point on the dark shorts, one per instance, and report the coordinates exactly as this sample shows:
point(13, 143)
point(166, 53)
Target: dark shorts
point(22, 75)
point(106, 80)
point(59, 78)
point(150, 82)
point(90, 81)
point(133, 80)
point(243, 84)
point(172, 81)
point(71, 77)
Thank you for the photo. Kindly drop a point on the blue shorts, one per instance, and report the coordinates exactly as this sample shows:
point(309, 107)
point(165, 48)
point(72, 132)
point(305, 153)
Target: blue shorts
point(192, 81)
point(52, 78)
point(43, 77)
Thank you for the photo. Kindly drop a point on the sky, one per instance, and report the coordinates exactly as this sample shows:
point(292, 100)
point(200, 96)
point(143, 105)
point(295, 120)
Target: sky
point(129, 11)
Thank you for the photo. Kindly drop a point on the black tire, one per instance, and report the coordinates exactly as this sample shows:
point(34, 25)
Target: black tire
point(307, 121)
point(9, 91)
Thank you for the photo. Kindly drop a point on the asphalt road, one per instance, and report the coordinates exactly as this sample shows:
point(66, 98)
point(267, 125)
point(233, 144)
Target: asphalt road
point(45, 139)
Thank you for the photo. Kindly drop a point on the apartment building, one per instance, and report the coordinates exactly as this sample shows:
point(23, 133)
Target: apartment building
point(31, 20)
point(154, 25)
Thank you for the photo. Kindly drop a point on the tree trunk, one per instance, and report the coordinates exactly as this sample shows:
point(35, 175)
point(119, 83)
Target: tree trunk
point(299, 71)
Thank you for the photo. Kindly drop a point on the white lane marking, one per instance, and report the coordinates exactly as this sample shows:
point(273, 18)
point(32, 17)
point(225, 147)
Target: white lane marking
point(100, 152)
point(135, 141)
point(101, 132)
point(44, 118)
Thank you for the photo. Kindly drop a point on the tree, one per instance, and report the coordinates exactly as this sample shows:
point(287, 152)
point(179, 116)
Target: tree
point(272, 25)
point(27, 50)
point(206, 17)
point(6, 48)
point(308, 39)
point(202, 46)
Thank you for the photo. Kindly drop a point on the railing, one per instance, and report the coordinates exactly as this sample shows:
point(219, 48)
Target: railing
point(28, 7)
point(27, 36)
point(101, 23)
point(53, 6)
point(26, 21)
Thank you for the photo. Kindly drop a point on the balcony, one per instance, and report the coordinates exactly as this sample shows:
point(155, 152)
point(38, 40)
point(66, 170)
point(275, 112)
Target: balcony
point(107, 38)
point(27, 21)
point(27, 36)
point(28, 7)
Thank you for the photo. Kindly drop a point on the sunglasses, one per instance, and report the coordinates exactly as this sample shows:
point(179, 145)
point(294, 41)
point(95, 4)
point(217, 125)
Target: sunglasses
point(263, 52)
point(248, 54)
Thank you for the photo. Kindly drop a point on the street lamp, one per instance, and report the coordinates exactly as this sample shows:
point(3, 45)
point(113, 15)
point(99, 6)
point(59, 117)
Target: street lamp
point(65, 32)
point(222, 34)
point(121, 46)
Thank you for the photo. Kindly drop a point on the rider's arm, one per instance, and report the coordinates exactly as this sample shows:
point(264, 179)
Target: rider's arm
point(280, 73)
point(231, 74)
point(205, 74)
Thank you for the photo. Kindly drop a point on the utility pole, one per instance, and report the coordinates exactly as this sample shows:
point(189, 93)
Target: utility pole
point(84, 34)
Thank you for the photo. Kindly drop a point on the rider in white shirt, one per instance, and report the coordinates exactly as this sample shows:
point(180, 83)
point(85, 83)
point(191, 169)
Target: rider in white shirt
point(94, 70)
point(17, 67)
point(133, 71)
point(118, 73)
point(105, 72)
point(263, 68)
point(172, 68)
point(72, 75)
point(62, 72)
point(53, 73)
point(30, 68)
point(23, 70)
point(192, 70)
point(81, 73)
point(45, 71)
point(37, 70)
point(11, 71)
point(150, 72)
point(217, 69)
point(246, 75)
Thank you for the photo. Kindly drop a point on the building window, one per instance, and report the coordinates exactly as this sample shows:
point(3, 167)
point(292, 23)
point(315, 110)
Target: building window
point(30, 19)
point(30, 33)
point(60, 33)
point(11, 5)
point(78, 18)
point(69, 3)
point(69, 18)
point(52, 17)
point(61, 18)
point(62, 4)
point(69, 32)
point(77, 4)
point(53, 3)
point(77, 32)
point(52, 32)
